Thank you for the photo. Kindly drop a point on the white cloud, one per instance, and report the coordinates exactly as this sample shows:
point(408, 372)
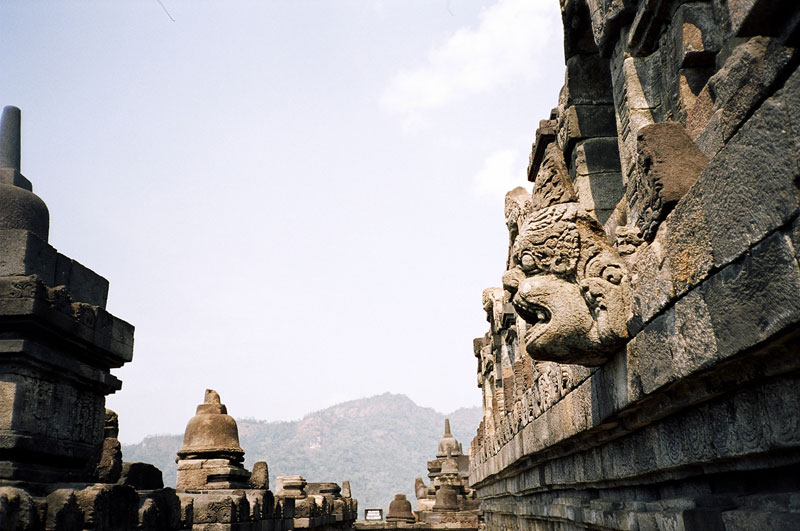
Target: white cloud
point(502, 171)
point(502, 49)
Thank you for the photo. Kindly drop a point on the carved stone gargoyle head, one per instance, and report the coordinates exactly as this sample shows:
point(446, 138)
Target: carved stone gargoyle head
point(565, 279)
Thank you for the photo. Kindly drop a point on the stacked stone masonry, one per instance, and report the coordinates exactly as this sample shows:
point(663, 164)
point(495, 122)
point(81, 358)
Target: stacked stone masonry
point(61, 466)
point(641, 370)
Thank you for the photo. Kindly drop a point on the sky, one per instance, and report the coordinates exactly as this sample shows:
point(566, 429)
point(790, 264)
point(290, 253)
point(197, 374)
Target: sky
point(296, 203)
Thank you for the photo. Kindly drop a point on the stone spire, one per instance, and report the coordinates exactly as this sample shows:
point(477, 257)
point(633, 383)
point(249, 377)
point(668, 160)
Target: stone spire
point(448, 445)
point(20, 208)
point(10, 138)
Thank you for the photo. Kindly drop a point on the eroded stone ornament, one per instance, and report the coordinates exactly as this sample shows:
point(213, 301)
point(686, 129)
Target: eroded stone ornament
point(565, 279)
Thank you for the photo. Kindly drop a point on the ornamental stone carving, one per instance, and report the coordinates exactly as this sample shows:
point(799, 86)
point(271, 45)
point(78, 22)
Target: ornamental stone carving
point(565, 279)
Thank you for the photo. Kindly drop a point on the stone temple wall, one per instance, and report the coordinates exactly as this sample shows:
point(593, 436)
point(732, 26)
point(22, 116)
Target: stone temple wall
point(642, 368)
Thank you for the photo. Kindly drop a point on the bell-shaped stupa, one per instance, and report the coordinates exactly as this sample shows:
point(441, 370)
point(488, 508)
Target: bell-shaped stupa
point(400, 510)
point(211, 457)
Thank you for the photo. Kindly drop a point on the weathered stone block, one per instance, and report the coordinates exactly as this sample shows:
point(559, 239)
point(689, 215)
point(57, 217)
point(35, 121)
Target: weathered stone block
point(545, 134)
point(595, 155)
point(109, 507)
point(687, 243)
point(212, 508)
point(667, 165)
point(749, 188)
point(84, 284)
point(651, 282)
point(110, 466)
point(746, 520)
point(647, 25)
point(63, 512)
point(25, 254)
point(584, 121)
point(588, 81)
point(259, 477)
point(578, 37)
point(600, 193)
point(187, 510)
point(141, 476)
point(23, 210)
point(607, 17)
point(13, 177)
point(760, 17)
point(743, 81)
point(755, 297)
point(697, 35)
point(17, 510)
point(637, 100)
point(159, 510)
point(674, 345)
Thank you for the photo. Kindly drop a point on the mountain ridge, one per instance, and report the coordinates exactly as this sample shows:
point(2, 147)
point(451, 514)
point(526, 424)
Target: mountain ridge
point(379, 443)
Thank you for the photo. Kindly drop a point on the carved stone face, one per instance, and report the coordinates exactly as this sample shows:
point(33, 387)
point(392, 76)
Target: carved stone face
point(570, 285)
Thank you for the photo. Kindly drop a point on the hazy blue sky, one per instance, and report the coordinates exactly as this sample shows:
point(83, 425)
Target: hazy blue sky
point(296, 203)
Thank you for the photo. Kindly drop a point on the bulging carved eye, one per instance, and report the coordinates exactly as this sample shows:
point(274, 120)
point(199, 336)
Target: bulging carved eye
point(612, 273)
point(527, 261)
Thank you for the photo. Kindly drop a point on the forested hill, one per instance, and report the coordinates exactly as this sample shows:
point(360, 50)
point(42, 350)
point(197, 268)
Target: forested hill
point(379, 443)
